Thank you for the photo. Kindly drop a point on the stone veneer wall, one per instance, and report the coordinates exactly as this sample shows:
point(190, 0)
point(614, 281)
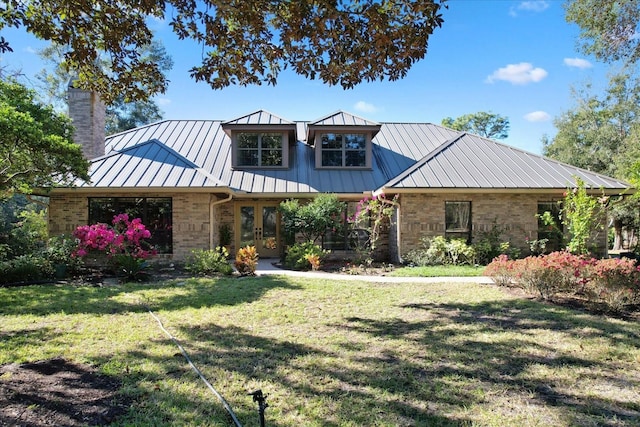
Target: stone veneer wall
point(190, 218)
point(423, 215)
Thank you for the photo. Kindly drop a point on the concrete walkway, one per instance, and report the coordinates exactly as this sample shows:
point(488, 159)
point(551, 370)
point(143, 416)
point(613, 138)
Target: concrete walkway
point(266, 267)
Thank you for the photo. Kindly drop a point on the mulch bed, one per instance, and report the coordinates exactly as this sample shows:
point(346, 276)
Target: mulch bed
point(56, 392)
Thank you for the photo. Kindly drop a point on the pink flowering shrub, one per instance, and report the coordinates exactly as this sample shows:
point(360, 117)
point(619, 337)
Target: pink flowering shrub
point(500, 270)
point(124, 243)
point(550, 274)
point(615, 282)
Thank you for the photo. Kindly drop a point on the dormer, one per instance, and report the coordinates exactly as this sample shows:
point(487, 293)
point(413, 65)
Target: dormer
point(260, 140)
point(342, 141)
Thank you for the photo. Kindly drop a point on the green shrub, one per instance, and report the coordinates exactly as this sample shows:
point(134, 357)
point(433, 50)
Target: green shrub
point(207, 262)
point(439, 251)
point(298, 256)
point(489, 245)
point(59, 252)
point(25, 268)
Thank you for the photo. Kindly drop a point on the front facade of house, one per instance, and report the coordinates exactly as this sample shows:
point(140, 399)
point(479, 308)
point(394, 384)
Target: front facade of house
point(186, 178)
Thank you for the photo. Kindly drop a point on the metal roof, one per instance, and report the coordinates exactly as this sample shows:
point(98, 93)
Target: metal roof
point(341, 118)
point(472, 162)
point(260, 117)
point(406, 156)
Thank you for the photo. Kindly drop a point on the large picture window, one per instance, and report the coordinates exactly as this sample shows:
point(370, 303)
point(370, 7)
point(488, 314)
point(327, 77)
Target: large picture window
point(255, 149)
point(458, 220)
point(343, 150)
point(155, 212)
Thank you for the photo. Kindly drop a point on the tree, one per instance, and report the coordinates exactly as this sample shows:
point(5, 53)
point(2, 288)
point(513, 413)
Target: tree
point(609, 28)
point(243, 42)
point(36, 147)
point(601, 132)
point(120, 115)
point(313, 219)
point(485, 124)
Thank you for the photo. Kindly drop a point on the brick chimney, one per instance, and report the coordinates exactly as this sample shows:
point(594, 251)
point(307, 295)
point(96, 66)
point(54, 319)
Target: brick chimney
point(87, 112)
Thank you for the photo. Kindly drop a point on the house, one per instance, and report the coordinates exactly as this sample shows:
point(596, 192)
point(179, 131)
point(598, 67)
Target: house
point(186, 177)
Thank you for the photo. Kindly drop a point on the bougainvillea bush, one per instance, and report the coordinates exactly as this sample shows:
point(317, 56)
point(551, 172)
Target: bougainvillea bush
point(124, 243)
point(612, 282)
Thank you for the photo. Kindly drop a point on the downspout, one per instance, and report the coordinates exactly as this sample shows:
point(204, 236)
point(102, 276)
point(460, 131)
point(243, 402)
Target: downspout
point(212, 204)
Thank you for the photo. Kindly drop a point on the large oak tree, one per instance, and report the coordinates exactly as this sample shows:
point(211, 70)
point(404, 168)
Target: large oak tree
point(243, 42)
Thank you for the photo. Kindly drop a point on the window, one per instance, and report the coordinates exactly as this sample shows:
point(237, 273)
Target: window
point(550, 225)
point(343, 150)
point(155, 212)
point(458, 220)
point(255, 149)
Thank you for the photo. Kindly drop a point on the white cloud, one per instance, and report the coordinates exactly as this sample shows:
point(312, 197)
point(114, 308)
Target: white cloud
point(577, 62)
point(30, 49)
point(163, 101)
point(518, 74)
point(530, 6)
point(537, 116)
point(365, 107)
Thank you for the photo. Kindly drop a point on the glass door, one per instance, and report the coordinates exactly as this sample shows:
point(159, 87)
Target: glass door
point(258, 226)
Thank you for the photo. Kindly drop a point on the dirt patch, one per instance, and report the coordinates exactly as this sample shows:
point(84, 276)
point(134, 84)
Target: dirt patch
point(57, 393)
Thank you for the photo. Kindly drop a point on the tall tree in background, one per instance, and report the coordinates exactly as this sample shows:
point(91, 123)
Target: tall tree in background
point(120, 115)
point(608, 28)
point(486, 124)
point(602, 134)
point(36, 149)
point(243, 42)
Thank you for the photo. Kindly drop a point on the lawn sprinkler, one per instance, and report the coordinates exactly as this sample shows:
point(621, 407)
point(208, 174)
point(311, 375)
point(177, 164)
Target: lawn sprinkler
point(262, 404)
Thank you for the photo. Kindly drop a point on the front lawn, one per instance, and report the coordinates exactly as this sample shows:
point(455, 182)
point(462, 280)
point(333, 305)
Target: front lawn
point(439, 271)
point(335, 353)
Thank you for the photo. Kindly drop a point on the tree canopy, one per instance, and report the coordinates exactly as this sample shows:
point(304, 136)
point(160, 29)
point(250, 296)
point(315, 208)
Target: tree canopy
point(602, 132)
point(608, 28)
point(36, 149)
point(486, 124)
point(243, 42)
point(120, 115)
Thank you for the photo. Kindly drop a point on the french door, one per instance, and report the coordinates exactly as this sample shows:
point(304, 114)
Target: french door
point(257, 225)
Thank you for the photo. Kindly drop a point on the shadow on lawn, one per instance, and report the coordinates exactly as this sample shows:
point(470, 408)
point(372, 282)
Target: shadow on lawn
point(437, 372)
point(43, 300)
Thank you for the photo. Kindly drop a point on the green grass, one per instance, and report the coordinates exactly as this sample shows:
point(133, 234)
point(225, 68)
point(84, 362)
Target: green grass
point(439, 271)
point(336, 353)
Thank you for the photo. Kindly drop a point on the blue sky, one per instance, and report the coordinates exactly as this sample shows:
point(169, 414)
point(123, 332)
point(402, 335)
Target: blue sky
point(514, 58)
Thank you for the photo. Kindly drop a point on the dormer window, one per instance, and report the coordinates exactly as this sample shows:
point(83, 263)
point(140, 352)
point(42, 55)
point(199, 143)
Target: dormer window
point(260, 140)
point(342, 140)
point(260, 149)
point(343, 150)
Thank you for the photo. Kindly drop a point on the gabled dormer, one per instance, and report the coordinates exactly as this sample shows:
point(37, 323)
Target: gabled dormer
point(260, 140)
point(342, 141)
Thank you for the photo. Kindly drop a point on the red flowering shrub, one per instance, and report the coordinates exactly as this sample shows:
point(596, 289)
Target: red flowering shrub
point(615, 282)
point(124, 243)
point(500, 270)
point(552, 273)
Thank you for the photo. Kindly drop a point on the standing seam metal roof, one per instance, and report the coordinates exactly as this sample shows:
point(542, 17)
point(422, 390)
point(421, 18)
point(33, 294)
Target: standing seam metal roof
point(197, 154)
